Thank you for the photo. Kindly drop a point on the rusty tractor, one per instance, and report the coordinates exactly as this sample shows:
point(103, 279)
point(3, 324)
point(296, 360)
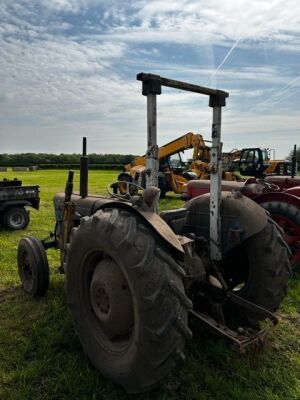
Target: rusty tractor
point(134, 277)
point(279, 195)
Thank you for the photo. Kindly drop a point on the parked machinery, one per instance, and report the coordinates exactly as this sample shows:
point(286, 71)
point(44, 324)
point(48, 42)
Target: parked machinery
point(133, 276)
point(13, 199)
point(256, 162)
point(173, 171)
point(279, 195)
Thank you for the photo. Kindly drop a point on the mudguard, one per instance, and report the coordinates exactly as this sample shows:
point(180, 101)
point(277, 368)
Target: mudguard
point(241, 218)
point(89, 205)
point(289, 196)
point(152, 219)
point(17, 203)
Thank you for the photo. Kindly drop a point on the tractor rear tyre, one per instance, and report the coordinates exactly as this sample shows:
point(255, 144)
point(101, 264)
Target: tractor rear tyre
point(127, 299)
point(287, 217)
point(16, 218)
point(33, 266)
point(259, 269)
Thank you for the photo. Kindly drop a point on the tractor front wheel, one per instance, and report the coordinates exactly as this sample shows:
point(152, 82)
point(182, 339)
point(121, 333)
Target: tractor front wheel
point(127, 299)
point(33, 266)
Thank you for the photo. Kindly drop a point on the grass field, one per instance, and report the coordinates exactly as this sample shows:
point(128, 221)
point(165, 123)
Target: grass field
point(41, 358)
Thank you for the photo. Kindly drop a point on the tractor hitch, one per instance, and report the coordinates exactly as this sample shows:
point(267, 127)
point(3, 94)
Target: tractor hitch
point(241, 338)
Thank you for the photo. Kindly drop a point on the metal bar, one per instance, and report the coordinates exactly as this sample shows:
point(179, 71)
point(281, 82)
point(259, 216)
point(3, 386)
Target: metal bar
point(294, 161)
point(238, 339)
point(215, 186)
point(69, 186)
point(84, 171)
point(252, 308)
point(182, 85)
point(84, 146)
point(151, 87)
point(67, 222)
point(152, 149)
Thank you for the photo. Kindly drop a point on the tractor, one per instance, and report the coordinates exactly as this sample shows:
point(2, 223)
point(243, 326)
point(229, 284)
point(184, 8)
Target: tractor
point(278, 195)
point(135, 277)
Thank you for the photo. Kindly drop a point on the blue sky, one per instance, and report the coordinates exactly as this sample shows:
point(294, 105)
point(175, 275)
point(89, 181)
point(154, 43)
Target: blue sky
point(68, 68)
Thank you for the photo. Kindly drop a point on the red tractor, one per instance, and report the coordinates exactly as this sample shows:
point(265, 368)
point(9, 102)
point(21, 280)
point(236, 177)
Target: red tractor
point(280, 195)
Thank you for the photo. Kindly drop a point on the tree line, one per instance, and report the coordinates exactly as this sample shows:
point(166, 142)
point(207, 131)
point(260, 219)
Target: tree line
point(27, 159)
point(45, 160)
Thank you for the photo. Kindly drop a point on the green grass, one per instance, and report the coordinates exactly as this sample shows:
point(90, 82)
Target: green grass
point(41, 358)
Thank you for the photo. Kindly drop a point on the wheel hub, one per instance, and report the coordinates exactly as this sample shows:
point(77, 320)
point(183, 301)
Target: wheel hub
point(111, 298)
point(16, 219)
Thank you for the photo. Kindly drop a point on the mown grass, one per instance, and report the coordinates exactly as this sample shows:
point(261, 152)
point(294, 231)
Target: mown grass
point(41, 358)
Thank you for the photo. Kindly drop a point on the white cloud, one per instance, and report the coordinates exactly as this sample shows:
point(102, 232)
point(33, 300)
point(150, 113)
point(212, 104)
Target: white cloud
point(211, 20)
point(64, 68)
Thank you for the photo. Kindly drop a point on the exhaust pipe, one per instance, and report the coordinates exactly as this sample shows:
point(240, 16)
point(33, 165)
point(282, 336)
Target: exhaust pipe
point(84, 171)
point(294, 162)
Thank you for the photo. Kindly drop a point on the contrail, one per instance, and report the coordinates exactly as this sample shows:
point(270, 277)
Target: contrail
point(288, 86)
point(277, 96)
point(224, 59)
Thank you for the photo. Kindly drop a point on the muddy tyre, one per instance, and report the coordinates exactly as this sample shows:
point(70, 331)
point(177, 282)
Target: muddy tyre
point(259, 269)
point(16, 218)
point(127, 300)
point(288, 218)
point(33, 266)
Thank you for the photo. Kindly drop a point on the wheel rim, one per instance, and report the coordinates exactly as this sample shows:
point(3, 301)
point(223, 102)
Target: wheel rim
point(291, 236)
point(108, 300)
point(16, 219)
point(111, 298)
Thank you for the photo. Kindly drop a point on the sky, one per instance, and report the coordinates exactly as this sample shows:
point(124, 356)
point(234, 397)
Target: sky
point(68, 69)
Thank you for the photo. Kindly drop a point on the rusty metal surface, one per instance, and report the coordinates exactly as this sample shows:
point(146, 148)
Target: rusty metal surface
point(162, 228)
point(89, 205)
point(111, 298)
point(240, 339)
point(252, 308)
point(144, 77)
point(227, 186)
point(11, 196)
point(19, 192)
point(67, 222)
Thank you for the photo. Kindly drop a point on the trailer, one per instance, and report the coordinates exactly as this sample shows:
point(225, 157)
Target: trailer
point(14, 198)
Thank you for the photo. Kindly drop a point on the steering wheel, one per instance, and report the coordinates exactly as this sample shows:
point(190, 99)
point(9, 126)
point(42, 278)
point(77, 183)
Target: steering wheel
point(268, 185)
point(124, 195)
